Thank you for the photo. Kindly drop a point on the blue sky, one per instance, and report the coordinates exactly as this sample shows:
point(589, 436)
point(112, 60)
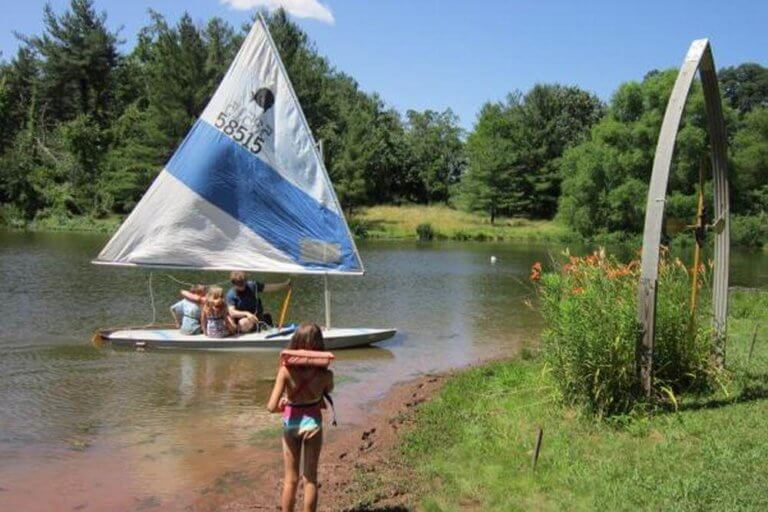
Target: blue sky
point(437, 54)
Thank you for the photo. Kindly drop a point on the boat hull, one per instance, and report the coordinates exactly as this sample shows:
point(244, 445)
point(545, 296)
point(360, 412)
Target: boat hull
point(164, 338)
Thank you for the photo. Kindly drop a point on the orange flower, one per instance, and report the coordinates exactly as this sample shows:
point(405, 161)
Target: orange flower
point(536, 272)
point(577, 291)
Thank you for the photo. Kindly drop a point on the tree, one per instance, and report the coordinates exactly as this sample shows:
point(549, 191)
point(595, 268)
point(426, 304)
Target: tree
point(750, 158)
point(434, 141)
point(745, 86)
point(554, 117)
point(493, 180)
point(19, 78)
point(173, 62)
point(78, 56)
point(526, 137)
point(605, 178)
point(137, 152)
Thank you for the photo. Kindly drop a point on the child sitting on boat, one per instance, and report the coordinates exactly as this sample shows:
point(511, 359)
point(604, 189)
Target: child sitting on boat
point(299, 389)
point(186, 313)
point(216, 321)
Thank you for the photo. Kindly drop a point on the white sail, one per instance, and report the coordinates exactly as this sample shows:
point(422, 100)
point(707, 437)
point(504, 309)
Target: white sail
point(247, 188)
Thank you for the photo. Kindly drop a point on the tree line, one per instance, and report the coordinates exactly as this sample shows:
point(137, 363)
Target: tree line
point(85, 127)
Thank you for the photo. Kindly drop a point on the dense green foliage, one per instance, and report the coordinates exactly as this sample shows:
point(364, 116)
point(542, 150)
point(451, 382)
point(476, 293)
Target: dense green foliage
point(515, 148)
point(86, 126)
point(589, 306)
point(471, 446)
point(745, 86)
point(605, 178)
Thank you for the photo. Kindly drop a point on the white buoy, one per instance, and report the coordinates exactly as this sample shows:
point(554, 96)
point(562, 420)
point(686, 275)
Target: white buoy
point(493, 260)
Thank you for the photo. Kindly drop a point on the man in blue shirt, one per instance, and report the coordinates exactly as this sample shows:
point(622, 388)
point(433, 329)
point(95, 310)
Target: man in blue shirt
point(244, 303)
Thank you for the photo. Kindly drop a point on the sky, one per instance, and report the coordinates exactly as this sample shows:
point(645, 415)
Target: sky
point(436, 54)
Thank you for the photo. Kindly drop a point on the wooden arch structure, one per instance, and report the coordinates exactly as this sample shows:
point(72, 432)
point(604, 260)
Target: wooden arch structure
point(699, 57)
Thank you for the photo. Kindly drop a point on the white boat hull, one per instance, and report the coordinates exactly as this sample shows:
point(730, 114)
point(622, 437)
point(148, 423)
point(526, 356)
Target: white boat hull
point(164, 338)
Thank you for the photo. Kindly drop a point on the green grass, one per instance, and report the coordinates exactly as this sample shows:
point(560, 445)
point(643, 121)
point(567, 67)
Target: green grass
point(472, 445)
point(400, 222)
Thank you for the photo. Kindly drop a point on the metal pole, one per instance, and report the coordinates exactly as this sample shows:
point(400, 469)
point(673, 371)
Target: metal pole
point(327, 292)
point(327, 302)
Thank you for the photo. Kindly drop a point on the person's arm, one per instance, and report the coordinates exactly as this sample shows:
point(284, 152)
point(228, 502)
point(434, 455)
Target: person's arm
point(236, 313)
point(203, 323)
point(177, 311)
point(197, 299)
point(276, 287)
point(175, 317)
point(231, 325)
point(273, 405)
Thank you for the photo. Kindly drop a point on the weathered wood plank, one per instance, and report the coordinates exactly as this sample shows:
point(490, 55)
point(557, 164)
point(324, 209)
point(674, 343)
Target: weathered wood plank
point(699, 57)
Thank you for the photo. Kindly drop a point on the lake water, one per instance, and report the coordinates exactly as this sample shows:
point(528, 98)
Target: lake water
point(95, 429)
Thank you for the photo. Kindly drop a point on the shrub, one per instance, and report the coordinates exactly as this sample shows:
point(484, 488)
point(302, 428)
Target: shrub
point(750, 231)
point(359, 227)
point(590, 308)
point(425, 232)
point(11, 216)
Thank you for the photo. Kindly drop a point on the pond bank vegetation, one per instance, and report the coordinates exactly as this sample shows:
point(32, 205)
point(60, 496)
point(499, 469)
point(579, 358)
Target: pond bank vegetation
point(472, 444)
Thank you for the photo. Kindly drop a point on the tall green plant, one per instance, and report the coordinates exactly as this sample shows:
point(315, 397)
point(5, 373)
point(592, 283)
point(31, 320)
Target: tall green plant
point(590, 308)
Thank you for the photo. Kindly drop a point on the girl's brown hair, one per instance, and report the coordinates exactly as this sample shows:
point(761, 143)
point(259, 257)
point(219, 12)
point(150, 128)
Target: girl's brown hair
point(214, 299)
point(307, 337)
point(198, 289)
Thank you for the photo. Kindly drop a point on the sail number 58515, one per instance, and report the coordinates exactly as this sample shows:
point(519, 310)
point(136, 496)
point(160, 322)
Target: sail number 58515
point(240, 134)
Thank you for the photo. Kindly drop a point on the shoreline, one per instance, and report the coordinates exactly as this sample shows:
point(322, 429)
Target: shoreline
point(359, 466)
point(438, 237)
point(398, 230)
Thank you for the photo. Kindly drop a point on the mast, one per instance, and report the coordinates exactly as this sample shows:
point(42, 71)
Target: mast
point(327, 302)
point(326, 288)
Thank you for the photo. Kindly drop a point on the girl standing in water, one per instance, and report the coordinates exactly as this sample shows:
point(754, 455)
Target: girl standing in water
point(298, 393)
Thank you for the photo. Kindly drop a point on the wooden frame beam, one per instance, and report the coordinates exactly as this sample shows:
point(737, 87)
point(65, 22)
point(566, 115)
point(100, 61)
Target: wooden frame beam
point(699, 57)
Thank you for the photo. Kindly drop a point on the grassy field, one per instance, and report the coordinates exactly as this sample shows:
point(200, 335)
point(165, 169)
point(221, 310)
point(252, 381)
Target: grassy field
point(400, 222)
point(472, 445)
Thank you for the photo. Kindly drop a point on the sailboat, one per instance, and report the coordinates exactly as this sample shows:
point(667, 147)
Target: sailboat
point(247, 189)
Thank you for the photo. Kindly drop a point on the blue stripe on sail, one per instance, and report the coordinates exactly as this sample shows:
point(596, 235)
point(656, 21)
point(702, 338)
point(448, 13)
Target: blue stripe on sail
point(238, 182)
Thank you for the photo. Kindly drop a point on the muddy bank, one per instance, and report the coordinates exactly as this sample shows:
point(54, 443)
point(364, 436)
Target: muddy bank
point(359, 468)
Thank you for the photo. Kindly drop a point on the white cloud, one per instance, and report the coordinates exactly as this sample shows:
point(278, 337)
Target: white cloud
point(299, 8)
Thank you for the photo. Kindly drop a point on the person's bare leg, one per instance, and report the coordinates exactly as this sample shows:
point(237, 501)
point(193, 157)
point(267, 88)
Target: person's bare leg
point(291, 458)
point(312, 447)
point(245, 325)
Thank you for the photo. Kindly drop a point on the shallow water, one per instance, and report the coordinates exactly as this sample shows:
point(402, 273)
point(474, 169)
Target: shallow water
point(109, 430)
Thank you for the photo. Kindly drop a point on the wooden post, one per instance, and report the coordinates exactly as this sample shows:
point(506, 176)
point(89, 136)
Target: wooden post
point(699, 57)
point(537, 449)
point(646, 302)
point(752, 344)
